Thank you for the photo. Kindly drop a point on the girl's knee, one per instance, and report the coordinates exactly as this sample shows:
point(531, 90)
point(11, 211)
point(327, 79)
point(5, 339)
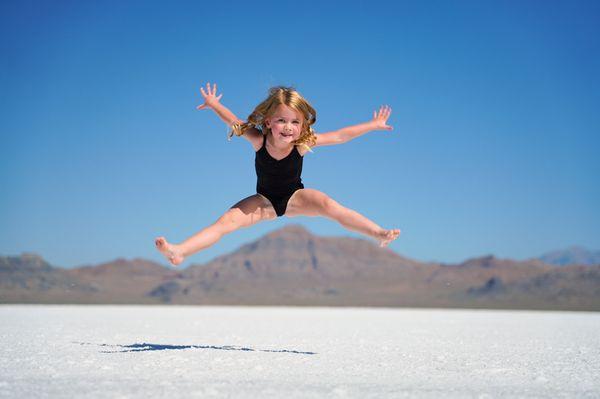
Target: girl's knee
point(328, 205)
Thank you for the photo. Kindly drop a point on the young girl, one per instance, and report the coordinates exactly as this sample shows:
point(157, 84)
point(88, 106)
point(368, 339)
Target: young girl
point(280, 130)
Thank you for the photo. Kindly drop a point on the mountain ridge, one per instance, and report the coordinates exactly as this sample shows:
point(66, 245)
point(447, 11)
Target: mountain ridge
point(292, 266)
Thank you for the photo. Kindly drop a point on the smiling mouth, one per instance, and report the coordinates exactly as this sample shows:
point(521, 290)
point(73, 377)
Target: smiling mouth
point(286, 135)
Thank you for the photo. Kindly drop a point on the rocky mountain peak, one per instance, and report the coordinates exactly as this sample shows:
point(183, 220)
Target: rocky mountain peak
point(486, 261)
point(26, 260)
point(572, 255)
point(291, 232)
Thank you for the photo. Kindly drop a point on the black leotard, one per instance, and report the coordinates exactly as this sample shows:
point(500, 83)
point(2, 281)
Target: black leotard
point(278, 180)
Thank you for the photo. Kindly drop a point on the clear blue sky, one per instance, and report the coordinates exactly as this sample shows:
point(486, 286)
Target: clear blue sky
point(495, 148)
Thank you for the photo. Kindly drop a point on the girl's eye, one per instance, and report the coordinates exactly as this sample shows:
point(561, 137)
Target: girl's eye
point(296, 122)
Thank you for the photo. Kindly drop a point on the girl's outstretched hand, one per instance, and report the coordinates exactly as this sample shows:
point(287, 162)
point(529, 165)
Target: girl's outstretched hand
point(380, 118)
point(210, 96)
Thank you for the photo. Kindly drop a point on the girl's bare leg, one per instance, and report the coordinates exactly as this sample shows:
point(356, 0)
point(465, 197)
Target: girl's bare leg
point(309, 202)
point(247, 212)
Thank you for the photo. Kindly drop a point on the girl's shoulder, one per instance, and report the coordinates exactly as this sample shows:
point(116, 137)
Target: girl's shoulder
point(255, 137)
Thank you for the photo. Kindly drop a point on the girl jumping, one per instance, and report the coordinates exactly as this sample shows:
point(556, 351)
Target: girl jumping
point(280, 131)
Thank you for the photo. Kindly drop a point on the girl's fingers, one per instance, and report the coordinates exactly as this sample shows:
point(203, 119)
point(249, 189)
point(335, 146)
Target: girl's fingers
point(384, 112)
point(218, 98)
point(209, 91)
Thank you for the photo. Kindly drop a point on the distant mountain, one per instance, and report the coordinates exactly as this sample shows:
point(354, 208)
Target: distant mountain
point(29, 278)
point(572, 256)
point(291, 266)
point(122, 281)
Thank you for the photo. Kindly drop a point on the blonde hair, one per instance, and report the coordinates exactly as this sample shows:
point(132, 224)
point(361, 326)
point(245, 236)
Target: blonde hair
point(277, 96)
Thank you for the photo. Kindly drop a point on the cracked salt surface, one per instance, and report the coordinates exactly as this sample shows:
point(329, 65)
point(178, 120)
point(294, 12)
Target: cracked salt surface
point(274, 352)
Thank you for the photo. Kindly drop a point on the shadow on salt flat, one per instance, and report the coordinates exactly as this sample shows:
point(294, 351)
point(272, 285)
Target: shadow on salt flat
point(144, 347)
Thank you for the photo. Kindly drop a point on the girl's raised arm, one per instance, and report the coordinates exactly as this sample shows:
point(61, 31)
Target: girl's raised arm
point(379, 122)
point(211, 100)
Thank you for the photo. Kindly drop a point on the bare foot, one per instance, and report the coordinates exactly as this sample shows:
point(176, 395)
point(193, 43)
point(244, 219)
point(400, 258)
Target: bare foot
point(387, 236)
point(169, 251)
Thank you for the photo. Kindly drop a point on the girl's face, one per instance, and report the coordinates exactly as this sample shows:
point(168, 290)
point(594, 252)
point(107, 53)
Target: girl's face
point(285, 124)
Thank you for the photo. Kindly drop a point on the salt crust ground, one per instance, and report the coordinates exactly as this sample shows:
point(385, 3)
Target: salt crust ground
point(276, 352)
